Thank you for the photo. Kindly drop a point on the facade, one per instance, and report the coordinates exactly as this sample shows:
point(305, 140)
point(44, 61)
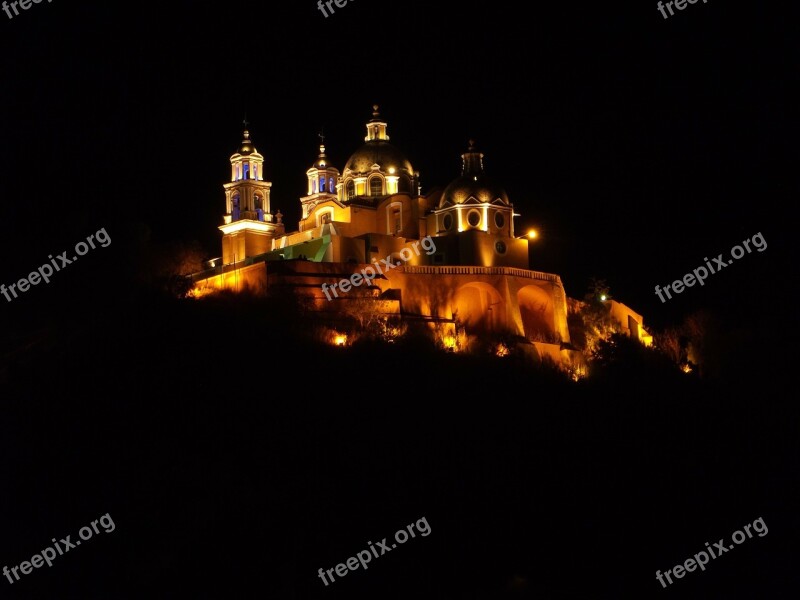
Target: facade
point(473, 277)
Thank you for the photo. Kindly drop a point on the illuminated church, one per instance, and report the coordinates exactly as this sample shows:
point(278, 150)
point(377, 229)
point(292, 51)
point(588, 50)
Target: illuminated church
point(474, 281)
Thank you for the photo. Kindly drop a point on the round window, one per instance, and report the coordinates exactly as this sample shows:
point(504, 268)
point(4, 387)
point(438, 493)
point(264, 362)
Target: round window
point(447, 222)
point(474, 218)
point(500, 246)
point(499, 220)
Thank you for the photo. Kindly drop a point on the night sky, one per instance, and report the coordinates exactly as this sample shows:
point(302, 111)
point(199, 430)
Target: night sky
point(636, 145)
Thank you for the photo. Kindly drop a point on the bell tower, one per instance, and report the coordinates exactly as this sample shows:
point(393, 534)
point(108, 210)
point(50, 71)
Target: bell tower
point(248, 225)
point(322, 180)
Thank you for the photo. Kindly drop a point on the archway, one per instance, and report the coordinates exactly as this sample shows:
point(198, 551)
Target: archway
point(479, 307)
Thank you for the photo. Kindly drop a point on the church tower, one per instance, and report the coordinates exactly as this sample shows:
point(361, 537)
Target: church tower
point(322, 179)
point(248, 225)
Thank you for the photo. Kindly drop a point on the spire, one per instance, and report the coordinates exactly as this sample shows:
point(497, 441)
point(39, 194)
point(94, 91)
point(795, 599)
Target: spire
point(322, 159)
point(247, 146)
point(472, 161)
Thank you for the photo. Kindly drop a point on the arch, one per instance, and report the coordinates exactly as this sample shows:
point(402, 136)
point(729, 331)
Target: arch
point(404, 185)
point(479, 307)
point(350, 188)
point(394, 218)
point(324, 216)
point(236, 207)
point(537, 311)
point(376, 185)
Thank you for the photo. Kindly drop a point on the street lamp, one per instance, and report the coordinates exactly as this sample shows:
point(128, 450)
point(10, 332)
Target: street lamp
point(531, 235)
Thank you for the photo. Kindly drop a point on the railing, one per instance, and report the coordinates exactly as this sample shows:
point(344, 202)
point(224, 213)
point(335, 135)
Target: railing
point(415, 270)
point(454, 270)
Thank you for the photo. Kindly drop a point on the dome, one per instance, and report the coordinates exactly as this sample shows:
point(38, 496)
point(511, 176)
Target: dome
point(478, 187)
point(472, 183)
point(247, 148)
point(322, 162)
point(382, 153)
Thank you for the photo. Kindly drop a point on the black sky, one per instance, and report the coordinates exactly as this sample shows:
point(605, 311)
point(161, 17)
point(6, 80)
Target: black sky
point(637, 145)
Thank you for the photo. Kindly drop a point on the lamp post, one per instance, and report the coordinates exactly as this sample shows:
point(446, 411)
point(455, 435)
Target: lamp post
point(532, 235)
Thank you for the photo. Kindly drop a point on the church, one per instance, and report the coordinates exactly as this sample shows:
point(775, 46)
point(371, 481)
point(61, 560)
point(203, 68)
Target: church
point(361, 228)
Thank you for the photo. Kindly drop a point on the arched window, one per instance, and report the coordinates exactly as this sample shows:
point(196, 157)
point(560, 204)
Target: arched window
point(331, 187)
point(321, 184)
point(235, 208)
point(258, 202)
point(405, 185)
point(375, 186)
point(314, 186)
point(351, 190)
point(246, 171)
point(394, 218)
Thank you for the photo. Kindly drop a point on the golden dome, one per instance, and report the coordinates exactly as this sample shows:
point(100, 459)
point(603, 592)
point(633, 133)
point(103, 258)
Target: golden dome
point(472, 183)
point(378, 150)
point(383, 154)
point(247, 148)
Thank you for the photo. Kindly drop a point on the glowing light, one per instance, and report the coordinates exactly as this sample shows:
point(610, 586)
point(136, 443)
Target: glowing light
point(392, 183)
point(533, 234)
point(340, 340)
point(229, 228)
point(391, 170)
point(602, 297)
point(686, 368)
point(502, 350)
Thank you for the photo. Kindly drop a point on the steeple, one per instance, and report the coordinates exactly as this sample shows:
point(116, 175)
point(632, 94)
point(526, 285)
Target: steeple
point(248, 224)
